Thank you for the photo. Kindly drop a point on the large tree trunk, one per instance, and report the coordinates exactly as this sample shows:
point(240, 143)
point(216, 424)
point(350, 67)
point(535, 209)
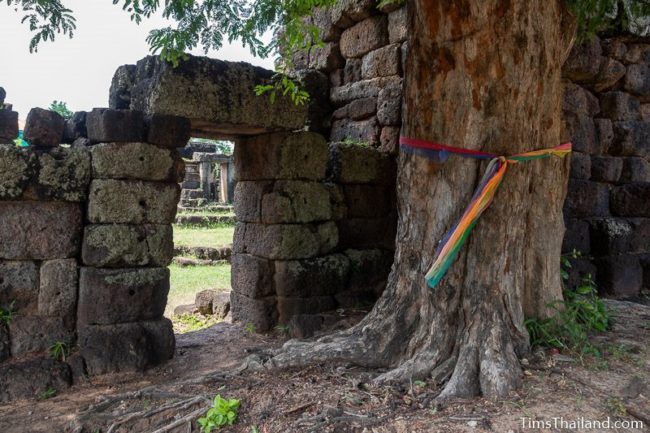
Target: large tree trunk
point(481, 74)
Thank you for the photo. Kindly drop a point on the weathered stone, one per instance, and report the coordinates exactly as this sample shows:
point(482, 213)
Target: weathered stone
point(261, 313)
point(135, 161)
point(64, 174)
point(581, 268)
point(30, 334)
point(132, 202)
point(303, 326)
point(645, 112)
point(582, 133)
point(221, 305)
point(120, 91)
point(248, 200)
point(75, 127)
point(289, 307)
point(326, 58)
point(586, 199)
point(77, 368)
point(382, 62)
point(613, 236)
point(185, 309)
point(637, 53)
point(108, 296)
point(203, 301)
point(397, 26)
point(313, 277)
point(604, 134)
point(631, 200)
point(369, 201)
point(579, 100)
point(364, 37)
point(31, 377)
point(44, 128)
point(368, 233)
point(336, 78)
point(580, 165)
point(620, 275)
point(126, 347)
point(252, 276)
point(81, 143)
point(637, 81)
point(631, 139)
point(583, 64)
point(351, 71)
point(19, 286)
point(300, 59)
point(359, 164)
point(57, 296)
point(316, 83)
point(3, 95)
point(389, 105)
point(369, 270)
point(614, 48)
point(8, 126)
point(5, 344)
point(228, 105)
point(404, 56)
point(168, 131)
point(345, 13)
point(361, 89)
point(362, 108)
point(39, 230)
point(360, 132)
point(611, 71)
point(296, 155)
point(576, 236)
point(606, 168)
point(285, 241)
point(17, 167)
point(635, 170)
point(105, 125)
point(389, 140)
point(620, 106)
point(112, 246)
point(296, 202)
point(322, 19)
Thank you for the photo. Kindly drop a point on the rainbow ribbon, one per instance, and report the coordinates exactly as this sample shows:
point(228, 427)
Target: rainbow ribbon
point(451, 243)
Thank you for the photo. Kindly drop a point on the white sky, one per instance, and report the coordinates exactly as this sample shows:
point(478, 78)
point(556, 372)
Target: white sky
point(79, 70)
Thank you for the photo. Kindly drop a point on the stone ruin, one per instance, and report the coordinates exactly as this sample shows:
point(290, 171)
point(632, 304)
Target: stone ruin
point(86, 236)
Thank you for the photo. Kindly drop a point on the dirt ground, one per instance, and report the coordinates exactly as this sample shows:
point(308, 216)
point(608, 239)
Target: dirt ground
point(342, 398)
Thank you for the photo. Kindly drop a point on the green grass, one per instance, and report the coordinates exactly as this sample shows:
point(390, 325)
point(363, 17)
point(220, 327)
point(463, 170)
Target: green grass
point(187, 281)
point(218, 235)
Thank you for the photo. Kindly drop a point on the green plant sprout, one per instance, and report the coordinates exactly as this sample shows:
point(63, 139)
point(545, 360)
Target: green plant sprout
point(223, 412)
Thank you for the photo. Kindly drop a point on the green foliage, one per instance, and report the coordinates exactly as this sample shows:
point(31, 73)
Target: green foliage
point(188, 322)
point(223, 412)
point(581, 312)
point(595, 16)
point(59, 351)
point(7, 314)
point(250, 327)
point(284, 86)
point(46, 18)
point(48, 393)
point(61, 108)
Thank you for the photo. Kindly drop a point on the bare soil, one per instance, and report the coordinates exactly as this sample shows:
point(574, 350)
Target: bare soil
point(342, 398)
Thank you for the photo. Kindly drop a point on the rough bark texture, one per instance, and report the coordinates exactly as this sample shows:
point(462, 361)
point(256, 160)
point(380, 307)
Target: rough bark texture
point(481, 74)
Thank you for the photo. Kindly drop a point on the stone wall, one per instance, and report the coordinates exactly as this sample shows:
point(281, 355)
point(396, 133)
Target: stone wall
point(85, 241)
point(607, 113)
point(362, 58)
point(316, 227)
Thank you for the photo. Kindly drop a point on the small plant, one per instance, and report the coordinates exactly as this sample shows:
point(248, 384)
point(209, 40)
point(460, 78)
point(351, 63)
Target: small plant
point(189, 322)
point(581, 312)
point(223, 412)
point(59, 351)
point(7, 314)
point(282, 329)
point(61, 108)
point(284, 86)
point(250, 327)
point(48, 393)
point(616, 406)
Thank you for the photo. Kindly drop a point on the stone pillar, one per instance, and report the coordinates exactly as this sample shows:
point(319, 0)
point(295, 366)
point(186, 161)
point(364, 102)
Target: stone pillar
point(207, 179)
point(224, 183)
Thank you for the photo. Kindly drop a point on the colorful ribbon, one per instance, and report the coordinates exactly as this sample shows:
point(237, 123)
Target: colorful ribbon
point(451, 243)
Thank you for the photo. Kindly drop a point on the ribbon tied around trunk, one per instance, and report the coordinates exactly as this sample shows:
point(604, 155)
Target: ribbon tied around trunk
point(452, 242)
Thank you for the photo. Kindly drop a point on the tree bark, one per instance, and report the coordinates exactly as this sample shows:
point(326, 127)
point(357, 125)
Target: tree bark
point(481, 74)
